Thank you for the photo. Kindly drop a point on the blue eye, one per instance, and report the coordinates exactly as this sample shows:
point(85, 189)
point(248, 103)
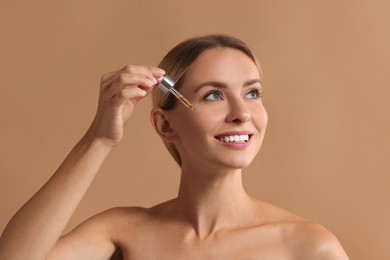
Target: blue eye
point(213, 96)
point(254, 94)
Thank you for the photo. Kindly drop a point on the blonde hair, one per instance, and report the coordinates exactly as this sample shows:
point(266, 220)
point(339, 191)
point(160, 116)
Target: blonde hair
point(179, 59)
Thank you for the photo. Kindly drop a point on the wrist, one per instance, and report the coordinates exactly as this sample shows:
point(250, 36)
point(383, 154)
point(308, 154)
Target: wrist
point(94, 135)
point(93, 142)
point(102, 135)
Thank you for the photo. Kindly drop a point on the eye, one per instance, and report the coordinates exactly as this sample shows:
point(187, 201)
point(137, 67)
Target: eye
point(254, 94)
point(214, 95)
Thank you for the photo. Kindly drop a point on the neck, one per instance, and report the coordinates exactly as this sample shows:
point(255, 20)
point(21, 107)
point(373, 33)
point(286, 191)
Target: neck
point(211, 201)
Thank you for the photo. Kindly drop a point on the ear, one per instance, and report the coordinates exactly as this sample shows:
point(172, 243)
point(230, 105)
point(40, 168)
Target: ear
point(161, 124)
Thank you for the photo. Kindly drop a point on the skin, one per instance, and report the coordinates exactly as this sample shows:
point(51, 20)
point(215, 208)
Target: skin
point(211, 218)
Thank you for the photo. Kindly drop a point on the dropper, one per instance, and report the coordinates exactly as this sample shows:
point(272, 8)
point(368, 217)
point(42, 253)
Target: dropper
point(167, 84)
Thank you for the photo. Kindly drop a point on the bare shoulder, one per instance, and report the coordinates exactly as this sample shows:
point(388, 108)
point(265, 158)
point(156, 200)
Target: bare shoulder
point(300, 238)
point(119, 216)
point(313, 241)
point(122, 219)
point(98, 237)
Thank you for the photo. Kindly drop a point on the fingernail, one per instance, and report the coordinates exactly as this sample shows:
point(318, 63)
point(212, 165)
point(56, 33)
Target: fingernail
point(160, 79)
point(160, 71)
point(143, 92)
point(152, 82)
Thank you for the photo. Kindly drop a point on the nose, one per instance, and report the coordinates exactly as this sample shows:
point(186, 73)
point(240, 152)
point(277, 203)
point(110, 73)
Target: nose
point(238, 112)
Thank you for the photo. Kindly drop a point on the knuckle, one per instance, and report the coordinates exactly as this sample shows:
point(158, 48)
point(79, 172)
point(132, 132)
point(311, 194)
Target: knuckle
point(122, 79)
point(147, 67)
point(150, 69)
point(103, 78)
point(121, 94)
point(129, 68)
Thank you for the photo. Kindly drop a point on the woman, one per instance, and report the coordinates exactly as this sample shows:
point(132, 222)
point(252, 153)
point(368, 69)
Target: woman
point(212, 216)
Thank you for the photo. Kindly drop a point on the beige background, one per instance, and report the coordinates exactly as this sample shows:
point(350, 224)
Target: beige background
point(326, 66)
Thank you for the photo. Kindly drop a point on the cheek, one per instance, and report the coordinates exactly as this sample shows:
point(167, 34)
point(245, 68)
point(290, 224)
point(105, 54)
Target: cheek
point(261, 119)
point(197, 124)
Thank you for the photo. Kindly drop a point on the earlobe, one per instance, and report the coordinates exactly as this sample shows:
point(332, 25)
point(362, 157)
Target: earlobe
point(161, 124)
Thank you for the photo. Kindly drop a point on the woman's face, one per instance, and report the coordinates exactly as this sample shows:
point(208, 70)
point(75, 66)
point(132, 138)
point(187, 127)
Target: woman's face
point(227, 127)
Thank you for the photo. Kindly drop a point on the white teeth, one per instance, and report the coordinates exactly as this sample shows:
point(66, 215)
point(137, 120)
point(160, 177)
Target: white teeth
point(234, 138)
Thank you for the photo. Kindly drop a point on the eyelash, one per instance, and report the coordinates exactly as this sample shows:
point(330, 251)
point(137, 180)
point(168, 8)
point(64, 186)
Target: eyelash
point(258, 92)
point(213, 92)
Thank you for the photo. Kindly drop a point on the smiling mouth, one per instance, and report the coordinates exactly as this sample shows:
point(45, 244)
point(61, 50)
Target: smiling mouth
point(233, 138)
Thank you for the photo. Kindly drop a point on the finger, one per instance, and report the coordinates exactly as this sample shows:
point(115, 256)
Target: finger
point(108, 76)
point(157, 72)
point(129, 80)
point(126, 81)
point(128, 94)
point(150, 72)
point(147, 71)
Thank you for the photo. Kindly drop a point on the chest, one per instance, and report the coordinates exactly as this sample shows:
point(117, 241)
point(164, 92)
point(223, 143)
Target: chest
point(176, 245)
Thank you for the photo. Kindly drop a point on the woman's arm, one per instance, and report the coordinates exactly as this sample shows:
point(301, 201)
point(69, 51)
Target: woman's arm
point(36, 227)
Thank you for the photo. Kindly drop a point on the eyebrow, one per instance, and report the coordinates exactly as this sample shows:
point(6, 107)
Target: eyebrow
point(218, 84)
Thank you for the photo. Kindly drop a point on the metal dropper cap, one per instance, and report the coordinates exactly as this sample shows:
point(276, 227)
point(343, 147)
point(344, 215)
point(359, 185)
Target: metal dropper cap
point(166, 84)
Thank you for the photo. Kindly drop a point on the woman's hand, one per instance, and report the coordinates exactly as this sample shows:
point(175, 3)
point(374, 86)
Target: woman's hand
point(119, 93)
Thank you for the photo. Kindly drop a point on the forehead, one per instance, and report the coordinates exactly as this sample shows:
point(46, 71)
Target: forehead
point(222, 64)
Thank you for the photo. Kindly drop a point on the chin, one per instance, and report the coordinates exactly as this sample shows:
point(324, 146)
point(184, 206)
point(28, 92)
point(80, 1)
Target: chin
point(237, 164)
point(237, 160)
